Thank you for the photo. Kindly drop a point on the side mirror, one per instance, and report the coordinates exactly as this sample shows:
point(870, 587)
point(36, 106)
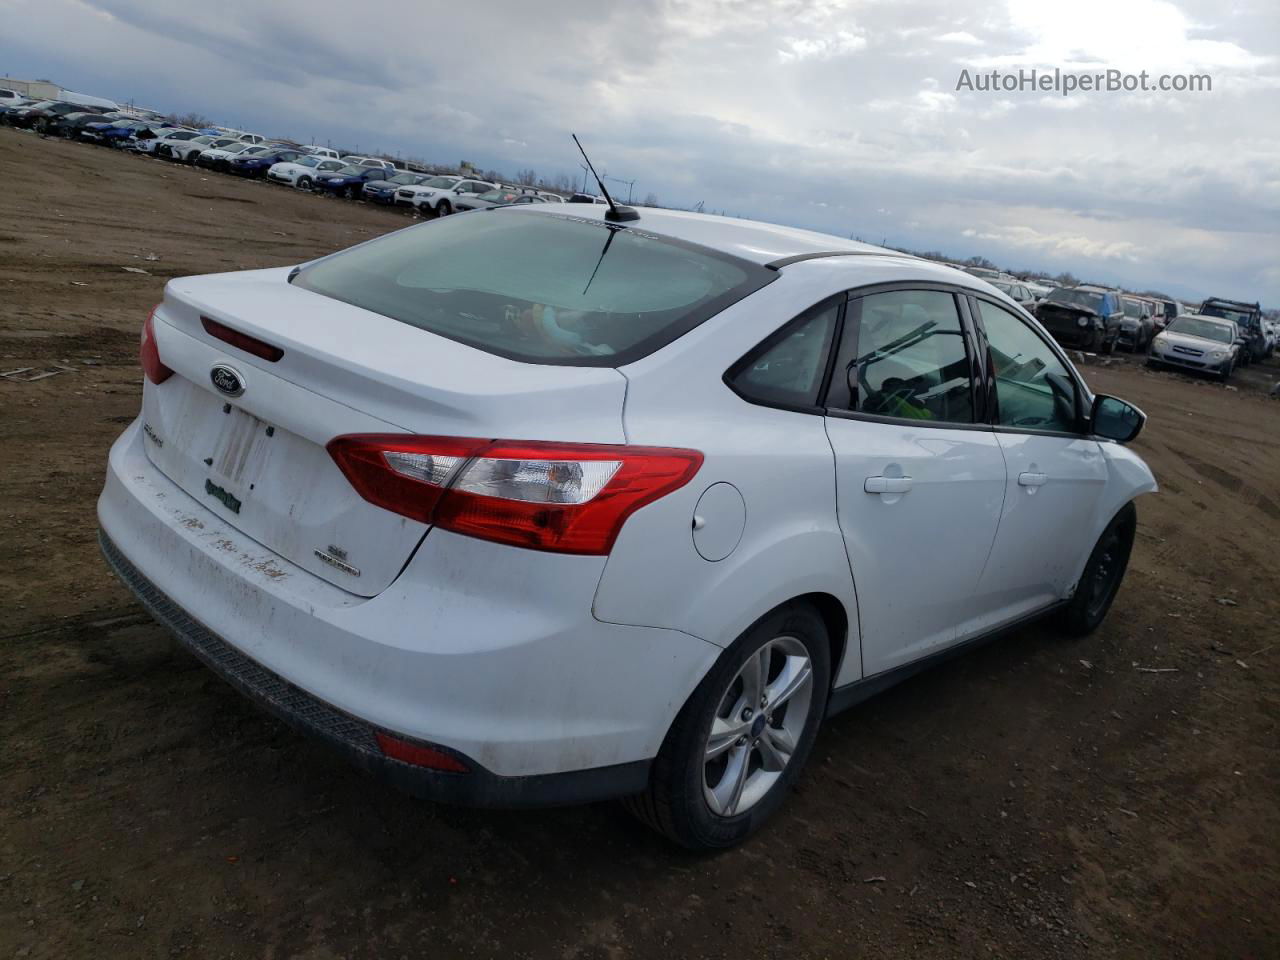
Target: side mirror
point(1115, 419)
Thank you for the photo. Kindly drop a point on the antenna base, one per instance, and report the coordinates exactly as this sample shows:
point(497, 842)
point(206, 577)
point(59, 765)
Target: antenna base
point(621, 214)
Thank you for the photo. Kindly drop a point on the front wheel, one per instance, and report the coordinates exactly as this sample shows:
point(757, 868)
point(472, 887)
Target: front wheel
point(741, 740)
point(444, 209)
point(304, 184)
point(1102, 575)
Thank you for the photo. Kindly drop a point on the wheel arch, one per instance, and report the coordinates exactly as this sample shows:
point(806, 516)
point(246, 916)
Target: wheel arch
point(836, 618)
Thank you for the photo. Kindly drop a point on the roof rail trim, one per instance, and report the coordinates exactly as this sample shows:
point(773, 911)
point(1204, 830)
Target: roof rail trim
point(797, 258)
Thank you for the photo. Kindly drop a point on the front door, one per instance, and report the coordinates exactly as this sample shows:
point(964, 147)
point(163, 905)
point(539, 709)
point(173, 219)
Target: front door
point(1056, 474)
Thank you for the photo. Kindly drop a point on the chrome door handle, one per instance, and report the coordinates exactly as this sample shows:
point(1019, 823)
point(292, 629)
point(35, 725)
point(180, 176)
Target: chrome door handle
point(887, 484)
point(1033, 479)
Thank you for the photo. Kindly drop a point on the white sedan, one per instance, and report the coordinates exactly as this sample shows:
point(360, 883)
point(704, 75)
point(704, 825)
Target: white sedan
point(539, 506)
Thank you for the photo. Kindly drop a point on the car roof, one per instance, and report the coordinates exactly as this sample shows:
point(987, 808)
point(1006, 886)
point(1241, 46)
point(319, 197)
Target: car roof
point(763, 243)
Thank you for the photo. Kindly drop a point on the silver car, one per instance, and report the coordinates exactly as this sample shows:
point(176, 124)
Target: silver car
point(1194, 342)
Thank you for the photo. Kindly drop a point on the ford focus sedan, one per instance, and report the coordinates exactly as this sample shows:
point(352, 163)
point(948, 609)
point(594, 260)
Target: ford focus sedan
point(539, 507)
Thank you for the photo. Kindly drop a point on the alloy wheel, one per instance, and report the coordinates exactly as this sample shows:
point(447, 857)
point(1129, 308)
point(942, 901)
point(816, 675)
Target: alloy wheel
point(758, 722)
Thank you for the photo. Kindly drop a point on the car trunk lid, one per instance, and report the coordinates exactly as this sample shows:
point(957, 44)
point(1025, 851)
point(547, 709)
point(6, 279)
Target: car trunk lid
point(252, 449)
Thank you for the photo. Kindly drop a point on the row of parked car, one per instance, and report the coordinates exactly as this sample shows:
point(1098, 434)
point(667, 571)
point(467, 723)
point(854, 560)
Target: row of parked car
point(1216, 337)
point(307, 167)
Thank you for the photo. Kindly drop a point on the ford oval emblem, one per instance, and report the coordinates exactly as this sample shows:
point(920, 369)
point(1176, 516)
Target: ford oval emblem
point(226, 380)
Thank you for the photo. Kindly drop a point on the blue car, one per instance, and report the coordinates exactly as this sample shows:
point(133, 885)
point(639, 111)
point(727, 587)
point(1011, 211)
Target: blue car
point(348, 182)
point(114, 133)
point(384, 191)
point(255, 161)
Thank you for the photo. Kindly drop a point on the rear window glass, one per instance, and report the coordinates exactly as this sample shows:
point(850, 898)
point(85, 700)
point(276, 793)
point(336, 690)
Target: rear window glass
point(539, 288)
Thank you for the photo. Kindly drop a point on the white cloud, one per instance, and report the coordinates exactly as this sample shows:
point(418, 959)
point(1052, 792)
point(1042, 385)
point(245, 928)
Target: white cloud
point(960, 37)
point(841, 43)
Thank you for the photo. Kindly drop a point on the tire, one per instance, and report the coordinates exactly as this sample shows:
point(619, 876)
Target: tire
point(1102, 576)
point(303, 184)
point(1110, 347)
point(676, 801)
point(349, 193)
point(444, 209)
point(1225, 375)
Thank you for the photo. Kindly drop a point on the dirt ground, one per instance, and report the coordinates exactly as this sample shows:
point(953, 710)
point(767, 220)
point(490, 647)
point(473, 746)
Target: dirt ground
point(1037, 798)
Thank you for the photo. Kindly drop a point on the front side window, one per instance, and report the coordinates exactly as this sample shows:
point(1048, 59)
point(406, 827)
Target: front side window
point(1034, 390)
point(909, 359)
point(789, 372)
point(537, 287)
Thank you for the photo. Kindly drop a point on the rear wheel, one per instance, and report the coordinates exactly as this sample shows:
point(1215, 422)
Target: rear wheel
point(1102, 575)
point(741, 740)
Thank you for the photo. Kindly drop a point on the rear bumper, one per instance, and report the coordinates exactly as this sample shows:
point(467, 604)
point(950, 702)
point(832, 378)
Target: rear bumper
point(489, 652)
point(356, 739)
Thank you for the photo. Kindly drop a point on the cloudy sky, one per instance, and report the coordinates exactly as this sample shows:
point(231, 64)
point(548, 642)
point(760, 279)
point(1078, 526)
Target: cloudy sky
point(839, 115)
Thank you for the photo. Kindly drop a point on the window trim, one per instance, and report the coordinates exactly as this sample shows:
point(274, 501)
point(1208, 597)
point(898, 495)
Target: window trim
point(730, 376)
point(976, 369)
point(1084, 396)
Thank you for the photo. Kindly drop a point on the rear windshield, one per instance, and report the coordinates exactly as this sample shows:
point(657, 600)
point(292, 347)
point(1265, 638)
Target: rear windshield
point(539, 288)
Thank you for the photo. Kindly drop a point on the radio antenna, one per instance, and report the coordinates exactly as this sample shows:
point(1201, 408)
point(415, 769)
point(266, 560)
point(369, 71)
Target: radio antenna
point(617, 214)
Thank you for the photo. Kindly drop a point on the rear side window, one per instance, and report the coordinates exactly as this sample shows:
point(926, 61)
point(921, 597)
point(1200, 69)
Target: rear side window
point(787, 370)
point(537, 287)
point(908, 358)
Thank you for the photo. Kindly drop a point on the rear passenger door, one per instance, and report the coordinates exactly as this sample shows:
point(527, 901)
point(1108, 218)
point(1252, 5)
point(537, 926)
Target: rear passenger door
point(919, 476)
point(1056, 472)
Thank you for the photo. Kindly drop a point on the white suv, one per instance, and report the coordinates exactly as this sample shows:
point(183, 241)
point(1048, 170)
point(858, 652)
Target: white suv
point(436, 197)
point(301, 173)
point(537, 506)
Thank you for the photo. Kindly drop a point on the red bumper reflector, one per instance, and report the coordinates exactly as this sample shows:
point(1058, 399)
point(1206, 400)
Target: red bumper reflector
point(419, 755)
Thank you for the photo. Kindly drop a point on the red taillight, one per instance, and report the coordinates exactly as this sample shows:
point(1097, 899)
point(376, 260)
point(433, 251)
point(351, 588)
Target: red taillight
point(149, 353)
point(561, 497)
point(419, 754)
point(242, 341)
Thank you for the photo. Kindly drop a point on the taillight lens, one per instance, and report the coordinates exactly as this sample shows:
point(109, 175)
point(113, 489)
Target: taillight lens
point(566, 498)
point(149, 353)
